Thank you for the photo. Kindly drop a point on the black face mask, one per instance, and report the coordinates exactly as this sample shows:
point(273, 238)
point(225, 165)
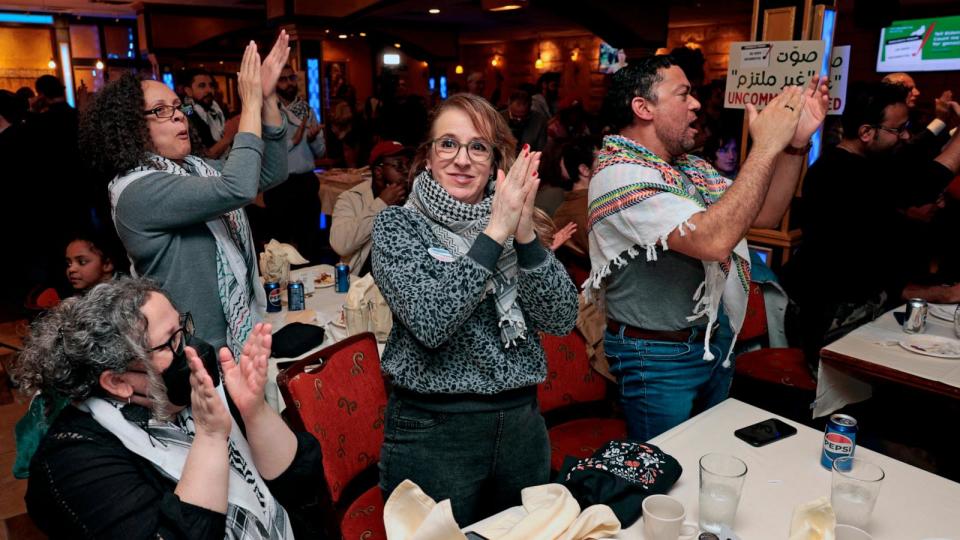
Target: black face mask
point(177, 376)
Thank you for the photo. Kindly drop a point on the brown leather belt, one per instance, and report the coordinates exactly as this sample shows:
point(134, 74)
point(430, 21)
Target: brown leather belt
point(656, 335)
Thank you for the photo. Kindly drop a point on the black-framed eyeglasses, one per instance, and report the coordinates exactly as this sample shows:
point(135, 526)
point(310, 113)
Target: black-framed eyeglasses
point(163, 112)
point(896, 131)
point(178, 339)
point(477, 150)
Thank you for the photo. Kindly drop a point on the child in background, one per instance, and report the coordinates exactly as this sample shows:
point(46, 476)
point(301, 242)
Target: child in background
point(88, 263)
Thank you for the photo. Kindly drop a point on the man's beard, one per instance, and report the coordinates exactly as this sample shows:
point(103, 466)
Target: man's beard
point(288, 94)
point(676, 145)
point(206, 101)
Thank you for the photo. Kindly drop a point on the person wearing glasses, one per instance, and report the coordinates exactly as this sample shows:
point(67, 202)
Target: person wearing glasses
point(356, 208)
point(181, 217)
point(860, 250)
point(470, 288)
point(148, 446)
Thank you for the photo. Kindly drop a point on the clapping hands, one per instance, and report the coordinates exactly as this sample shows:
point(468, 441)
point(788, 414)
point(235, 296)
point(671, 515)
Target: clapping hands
point(512, 209)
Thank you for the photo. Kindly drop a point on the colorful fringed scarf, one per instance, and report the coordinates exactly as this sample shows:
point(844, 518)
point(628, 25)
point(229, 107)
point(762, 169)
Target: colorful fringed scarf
point(626, 213)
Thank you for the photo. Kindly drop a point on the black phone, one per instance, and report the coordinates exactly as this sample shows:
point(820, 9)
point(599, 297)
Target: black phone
point(766, 432)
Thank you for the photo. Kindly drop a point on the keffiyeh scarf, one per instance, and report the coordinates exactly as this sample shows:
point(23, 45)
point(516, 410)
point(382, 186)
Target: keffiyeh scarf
point(298, 110)
point(238, 279)
point(637, 199)
point(252, 511)
point(213, 118)
point(457, 225)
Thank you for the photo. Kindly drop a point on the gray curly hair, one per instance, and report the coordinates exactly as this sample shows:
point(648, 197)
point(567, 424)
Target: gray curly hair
point(69, 347)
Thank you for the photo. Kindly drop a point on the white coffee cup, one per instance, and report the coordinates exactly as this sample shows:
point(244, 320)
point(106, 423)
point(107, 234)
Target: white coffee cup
point(849, 532)
point(663, 519)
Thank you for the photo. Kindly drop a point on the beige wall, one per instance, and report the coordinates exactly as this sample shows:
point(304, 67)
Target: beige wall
point(24, 53)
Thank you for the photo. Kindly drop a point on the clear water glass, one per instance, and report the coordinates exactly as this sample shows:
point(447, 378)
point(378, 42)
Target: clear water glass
point(854, 489)
point(721, 483)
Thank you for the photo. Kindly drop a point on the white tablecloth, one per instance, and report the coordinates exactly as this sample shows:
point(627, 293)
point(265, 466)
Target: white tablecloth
point(876, 342)
point(913, 504)
point(326, 302)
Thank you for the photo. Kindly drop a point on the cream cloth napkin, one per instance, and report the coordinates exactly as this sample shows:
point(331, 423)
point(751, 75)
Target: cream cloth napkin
point(813, 520)
point(276, 259)
point(364, 295)
point(549, 513)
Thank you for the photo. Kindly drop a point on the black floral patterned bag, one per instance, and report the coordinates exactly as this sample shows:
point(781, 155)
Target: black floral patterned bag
point(621, 474)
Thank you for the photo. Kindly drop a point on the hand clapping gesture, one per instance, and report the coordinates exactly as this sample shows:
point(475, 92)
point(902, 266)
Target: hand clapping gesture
point(816, 102)
point(210, 415)
point(509, 214)
point(273, 65)
point(775, 127)
point(249, 83)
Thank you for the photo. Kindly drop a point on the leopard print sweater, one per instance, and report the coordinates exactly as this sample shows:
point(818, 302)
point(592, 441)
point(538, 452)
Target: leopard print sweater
point(445, 337)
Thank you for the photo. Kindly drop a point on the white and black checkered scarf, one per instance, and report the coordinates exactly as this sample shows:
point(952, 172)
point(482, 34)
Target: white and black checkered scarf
point(457, 225)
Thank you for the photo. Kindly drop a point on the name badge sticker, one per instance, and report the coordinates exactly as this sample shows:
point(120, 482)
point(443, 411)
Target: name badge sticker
point(440, 254)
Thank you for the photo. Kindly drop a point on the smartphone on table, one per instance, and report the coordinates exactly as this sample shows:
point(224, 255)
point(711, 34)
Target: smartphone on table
point(766, 432)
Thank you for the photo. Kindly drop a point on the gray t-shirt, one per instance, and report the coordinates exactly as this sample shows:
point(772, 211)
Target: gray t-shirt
point(656, 295)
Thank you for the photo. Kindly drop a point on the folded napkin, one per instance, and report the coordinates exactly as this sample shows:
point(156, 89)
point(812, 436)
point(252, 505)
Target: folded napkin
point(549, 512)
point(276, 259)
point(364, 295)
point(813, 520)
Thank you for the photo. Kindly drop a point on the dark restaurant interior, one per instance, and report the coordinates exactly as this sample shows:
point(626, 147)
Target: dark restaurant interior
point(854, 280)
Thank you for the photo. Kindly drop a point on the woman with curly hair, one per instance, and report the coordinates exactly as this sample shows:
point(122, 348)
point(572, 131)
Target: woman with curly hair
point(470, 288)
point(147, 447)
point(181, 217)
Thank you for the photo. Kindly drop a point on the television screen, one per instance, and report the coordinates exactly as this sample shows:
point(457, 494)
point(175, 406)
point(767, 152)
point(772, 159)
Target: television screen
point(611, 59)
point(920, 45)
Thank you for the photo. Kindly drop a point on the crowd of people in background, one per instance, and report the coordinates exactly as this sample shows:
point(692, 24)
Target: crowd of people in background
point(531, 197)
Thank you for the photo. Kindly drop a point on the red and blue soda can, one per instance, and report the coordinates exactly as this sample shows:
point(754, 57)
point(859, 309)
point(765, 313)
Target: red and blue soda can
point(272, 289)
point(839, 439)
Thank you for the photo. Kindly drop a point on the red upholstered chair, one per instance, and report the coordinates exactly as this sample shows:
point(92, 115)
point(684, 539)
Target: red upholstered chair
point(780, 366)
point(338, 395)
point(571, 384)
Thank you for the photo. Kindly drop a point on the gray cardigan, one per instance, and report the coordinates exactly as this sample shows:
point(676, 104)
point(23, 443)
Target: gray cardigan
point(161, 219)
point(446, 337)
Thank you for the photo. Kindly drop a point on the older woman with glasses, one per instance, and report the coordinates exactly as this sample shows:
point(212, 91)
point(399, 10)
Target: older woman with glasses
point(148, 447)
point(470, 287)
point(181, 217)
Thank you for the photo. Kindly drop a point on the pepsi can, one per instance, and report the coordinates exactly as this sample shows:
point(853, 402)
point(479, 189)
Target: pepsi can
point(295, 300)
point(343, 277)
point(839, 439)
point(272, 288)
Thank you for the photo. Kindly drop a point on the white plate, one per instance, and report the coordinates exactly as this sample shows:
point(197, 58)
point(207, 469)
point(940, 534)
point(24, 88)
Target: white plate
point(937, 346)
point(943, 311)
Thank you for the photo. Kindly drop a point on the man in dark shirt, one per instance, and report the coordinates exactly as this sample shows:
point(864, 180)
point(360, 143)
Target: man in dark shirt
point(859, 248)
point(528, 126)
point(208, 118)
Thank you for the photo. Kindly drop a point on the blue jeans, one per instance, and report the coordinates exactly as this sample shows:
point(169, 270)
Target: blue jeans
point(663, 383)
point(479, 460)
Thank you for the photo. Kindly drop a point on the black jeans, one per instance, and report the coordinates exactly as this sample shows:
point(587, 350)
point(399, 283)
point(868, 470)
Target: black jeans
point(479, 460)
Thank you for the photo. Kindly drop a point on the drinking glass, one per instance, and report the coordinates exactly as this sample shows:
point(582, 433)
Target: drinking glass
point(357, 319)
point(721, 482)
point(381, 320)
point(854, 489)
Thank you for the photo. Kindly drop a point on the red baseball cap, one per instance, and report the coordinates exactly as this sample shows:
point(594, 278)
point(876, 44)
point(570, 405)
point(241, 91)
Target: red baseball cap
point(384, 149)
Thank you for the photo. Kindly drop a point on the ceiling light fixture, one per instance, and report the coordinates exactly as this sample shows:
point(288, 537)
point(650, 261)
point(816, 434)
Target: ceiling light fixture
point(458, 70)
point(342, 36)
point(363, 34)
point(433, 11)
point(52, 64)
point(397, 45)
point(502, 5)
point(99, 65)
